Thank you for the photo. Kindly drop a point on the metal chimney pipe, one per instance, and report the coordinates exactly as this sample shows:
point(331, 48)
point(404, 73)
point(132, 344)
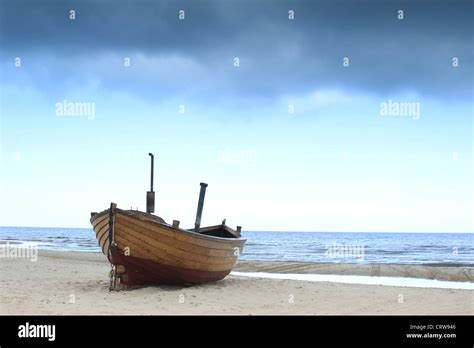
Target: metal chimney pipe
point(200, 206)
point(150, 195)
point(152, 165)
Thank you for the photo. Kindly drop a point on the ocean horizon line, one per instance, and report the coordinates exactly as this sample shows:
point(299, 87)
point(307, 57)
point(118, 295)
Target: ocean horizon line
point(270, 231)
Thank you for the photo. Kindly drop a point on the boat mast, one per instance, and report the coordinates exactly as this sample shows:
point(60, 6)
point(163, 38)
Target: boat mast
point(200, 206)
point(150, 195)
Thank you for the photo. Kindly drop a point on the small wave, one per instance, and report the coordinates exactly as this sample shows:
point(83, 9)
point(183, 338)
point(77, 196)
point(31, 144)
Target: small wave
point(11, 241)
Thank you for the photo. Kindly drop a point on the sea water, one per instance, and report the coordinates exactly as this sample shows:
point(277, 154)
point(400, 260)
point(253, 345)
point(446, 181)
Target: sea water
point(447, 249)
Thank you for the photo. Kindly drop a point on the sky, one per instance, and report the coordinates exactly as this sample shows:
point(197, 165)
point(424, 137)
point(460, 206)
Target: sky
point(281, 117)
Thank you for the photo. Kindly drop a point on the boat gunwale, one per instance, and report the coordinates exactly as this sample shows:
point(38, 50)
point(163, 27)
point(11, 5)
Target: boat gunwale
point(182, 230)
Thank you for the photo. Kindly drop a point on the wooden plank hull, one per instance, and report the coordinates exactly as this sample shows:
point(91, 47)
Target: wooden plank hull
point(146, 250)
point(141, 271)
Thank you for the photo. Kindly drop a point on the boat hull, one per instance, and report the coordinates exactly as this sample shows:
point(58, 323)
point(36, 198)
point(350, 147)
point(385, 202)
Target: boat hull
point(146, 250)
point(141, 272)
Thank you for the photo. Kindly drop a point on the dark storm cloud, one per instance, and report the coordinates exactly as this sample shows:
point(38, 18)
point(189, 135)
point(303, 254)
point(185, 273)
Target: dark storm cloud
point(278, 56)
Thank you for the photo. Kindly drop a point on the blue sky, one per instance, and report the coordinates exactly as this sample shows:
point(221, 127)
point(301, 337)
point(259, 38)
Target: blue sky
point(334, 164)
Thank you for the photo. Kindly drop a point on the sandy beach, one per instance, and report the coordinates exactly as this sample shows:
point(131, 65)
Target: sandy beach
point(68, 283)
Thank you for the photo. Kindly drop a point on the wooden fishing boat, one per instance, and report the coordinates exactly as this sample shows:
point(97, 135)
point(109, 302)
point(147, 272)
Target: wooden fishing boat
point(143, 249)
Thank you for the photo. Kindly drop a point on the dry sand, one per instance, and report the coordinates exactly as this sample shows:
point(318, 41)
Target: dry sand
point(77, 283)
